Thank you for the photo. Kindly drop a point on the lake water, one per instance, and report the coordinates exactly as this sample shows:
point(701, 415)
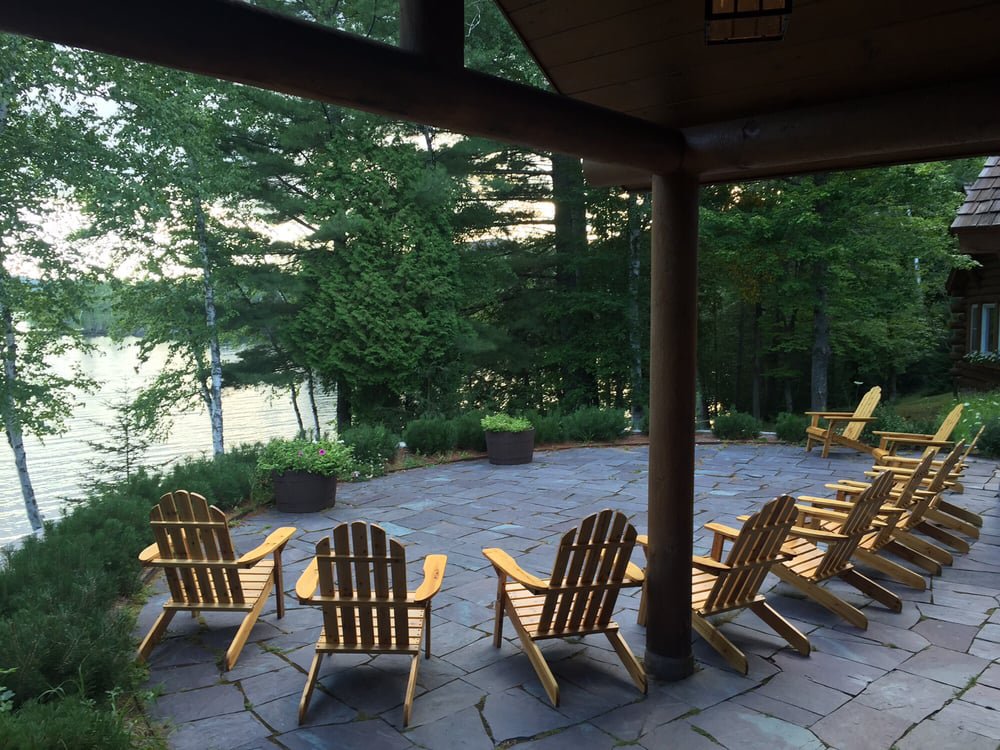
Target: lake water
point(58, 467)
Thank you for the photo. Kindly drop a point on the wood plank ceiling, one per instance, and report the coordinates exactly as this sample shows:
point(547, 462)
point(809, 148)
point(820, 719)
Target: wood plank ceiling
point(650, 60)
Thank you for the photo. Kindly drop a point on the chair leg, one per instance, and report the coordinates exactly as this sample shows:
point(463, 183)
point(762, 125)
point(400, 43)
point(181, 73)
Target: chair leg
point(632, 664)
point(922, 546)
point(427, 626)
point(959, 512)
point(911, 555)
point(240, 639)
point(714, 637)
point(795, 637)
point(944, 536)
point(641, 617)
point(821, 596)
point(942, 517)
point(894, 570)
point(310, 684)
point(279, 588)
point(542, 668)
point(826, 443)
point(866, 585)
point(155, 634)
point(498, 614)
point(411, 687)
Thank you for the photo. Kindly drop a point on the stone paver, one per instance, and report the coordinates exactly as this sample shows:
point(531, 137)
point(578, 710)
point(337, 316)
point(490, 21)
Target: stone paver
point(920, 678)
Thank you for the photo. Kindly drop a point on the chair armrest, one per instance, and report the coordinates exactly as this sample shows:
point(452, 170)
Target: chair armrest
point(827, 503)
point(722, 530)
point(506, 566)
point(274, 542)
point(708, 565)
point(902, 435)
point(818, 535)
point(149, 554)
point(433, 576)
point(634, 575)
point(817, 512)
point(306, 585)
point(642, 540)
point(841, 414)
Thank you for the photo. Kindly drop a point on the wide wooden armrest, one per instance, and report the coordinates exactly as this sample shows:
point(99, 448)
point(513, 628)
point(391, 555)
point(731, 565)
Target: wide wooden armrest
point(722, 530)
point(634, 575)
point(433, 576)
point(305, 587)
point(841, 414)
point(924, 440)
point(845, 488)
point(827, 503)
point(902, 435)
point(274, 542)
point(708, 565)
point(818, 535)
point(505, 565)
point(815, 512)
point(149, 554)
point(642, 540)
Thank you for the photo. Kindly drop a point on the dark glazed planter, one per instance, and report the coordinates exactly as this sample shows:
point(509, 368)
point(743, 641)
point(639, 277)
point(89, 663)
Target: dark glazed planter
point(510, 448)
point(302, 492)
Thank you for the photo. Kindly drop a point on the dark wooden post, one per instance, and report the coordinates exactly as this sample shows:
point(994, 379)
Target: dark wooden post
point(435, 30)
point(673, 331)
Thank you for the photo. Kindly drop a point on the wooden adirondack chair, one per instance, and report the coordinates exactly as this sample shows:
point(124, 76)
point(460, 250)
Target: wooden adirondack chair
point(890, 442)
point(849, 434)
point(808, 565)
point(901, 497)
point(718, 586)
point(361, 586)
point(591, 567)
point(202, 571)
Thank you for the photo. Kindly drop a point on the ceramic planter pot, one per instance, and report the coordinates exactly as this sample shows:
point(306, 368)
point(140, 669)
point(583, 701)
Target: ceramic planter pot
point(509, 448)
point(302, 492)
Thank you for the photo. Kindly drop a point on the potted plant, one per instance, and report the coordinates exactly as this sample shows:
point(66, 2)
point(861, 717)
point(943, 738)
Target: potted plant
point(509, 440)
point(304, 472)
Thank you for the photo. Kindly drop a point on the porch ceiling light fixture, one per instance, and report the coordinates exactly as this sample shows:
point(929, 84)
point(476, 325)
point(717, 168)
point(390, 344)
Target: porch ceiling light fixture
point(736, 21)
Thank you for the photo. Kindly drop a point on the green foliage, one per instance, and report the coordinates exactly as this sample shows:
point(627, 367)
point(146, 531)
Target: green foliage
point(429, 435)
point(372, 445)
point(978, 409)
point(736, 426)
point(887, 419)
point(469, 433)
point(989, 441)
point(327, 458)
point(226, 481)
point(791, 428)
point(548, 427)
point(71, 723)
point(594, 424)
point(504, 423)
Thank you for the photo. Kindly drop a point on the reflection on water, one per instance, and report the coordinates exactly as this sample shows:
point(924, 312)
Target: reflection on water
point(59, 466)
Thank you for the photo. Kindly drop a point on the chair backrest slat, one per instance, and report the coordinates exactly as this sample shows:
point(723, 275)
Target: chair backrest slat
point(865, 409)
point(948, 424)
point(754, 551)
point(858, 522)
point(588, 574)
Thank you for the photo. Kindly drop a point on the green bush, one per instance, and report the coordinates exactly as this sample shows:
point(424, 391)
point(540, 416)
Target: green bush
point(548, 428)
point(505, 423)
point(736, 426)
point(592, 423)
point(791, 428)
point(64, 723)
point(226, 481)
point(373, 445)
point(989, 441)
point(469, 433)
point(429, 435)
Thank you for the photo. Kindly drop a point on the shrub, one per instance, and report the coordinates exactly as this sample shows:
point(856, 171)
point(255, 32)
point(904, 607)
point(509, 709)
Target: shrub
point(505, 423)
point(791, 428)
point(327, 458)
point(67, 723)
point(226, 481)
point(469, 433)
point(429, 435)
point(373, 445)
point(736, 426)
point(989, 441)
point(548, 428)
point(593, 423)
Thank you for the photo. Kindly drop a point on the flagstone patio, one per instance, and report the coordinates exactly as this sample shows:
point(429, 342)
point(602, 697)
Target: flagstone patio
point(926, 677)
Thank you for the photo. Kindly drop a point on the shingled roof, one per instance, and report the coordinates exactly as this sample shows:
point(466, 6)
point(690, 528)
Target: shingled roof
point(982, 202)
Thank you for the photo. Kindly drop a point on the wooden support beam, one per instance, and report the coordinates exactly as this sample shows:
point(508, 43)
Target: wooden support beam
point(672, 358)
point(240, 42)
point(435, 30)
point(940, 122)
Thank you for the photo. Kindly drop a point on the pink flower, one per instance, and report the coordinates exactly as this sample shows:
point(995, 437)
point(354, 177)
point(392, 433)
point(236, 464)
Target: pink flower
point(322, 452)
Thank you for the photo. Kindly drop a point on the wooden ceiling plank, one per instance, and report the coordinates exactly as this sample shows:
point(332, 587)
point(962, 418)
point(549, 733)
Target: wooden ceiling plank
point(284, 54)
point(540, 20)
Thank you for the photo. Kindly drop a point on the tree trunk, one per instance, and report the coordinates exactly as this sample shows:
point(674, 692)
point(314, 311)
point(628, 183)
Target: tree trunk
point(570, 219)
point(12, 424)
point(821, 340)
point(639, 390)
point(214, 392)
point(295, 407)
point(758, 311)
point(311, 390)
